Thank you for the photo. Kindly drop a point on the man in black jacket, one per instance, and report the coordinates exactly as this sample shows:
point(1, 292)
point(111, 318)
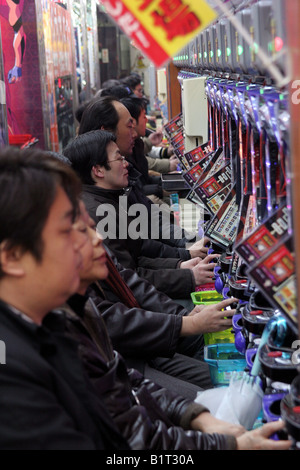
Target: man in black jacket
point(110, 114)
point(152, 331)
point(97, 160)
point(149, 416)
point(152, 185)
point(46, 400)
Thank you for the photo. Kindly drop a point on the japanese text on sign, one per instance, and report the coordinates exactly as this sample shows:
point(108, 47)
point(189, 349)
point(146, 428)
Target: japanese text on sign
point(160, 28)
point(176, 18)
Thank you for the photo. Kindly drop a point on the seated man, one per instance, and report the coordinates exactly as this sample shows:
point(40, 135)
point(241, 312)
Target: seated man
point(108, 113)
point(149, 416)
point(46, 400)
point(152, 185)
point(154, 334)
point(134, 82)
point(97, 160)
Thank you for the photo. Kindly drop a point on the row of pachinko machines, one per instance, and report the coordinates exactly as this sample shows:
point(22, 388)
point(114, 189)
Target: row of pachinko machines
point(231, 44)
point(240, 179)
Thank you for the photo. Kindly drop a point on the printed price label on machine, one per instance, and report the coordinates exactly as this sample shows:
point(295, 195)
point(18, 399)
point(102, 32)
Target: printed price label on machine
point(276, 276)
point(265, 237)
point(222, 228)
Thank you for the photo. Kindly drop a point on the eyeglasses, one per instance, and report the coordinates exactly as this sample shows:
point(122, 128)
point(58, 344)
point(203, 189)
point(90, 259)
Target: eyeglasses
point(120, 159)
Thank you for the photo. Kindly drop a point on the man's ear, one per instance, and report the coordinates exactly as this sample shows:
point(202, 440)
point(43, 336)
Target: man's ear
point(97, 172)
point(11, 260)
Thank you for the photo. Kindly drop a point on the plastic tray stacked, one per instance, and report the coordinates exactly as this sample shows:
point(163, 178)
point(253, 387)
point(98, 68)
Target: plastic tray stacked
point(223, 360)
point(208, 298)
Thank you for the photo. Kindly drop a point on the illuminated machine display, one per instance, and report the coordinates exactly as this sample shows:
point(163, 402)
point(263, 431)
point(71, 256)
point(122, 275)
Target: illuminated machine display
point(241, 175)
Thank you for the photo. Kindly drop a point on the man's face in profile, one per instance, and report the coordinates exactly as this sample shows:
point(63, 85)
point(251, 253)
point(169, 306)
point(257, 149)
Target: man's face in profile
point(125, 132)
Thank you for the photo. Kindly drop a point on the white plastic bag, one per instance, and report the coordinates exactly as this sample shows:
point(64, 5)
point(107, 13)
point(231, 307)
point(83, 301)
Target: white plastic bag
point(239, 403)
point(243, 401)
point(211, 398)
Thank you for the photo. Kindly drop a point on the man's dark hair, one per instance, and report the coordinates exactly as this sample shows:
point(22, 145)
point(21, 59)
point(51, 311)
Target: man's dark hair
point(60, 157)
point(100, 112)
point(29, 180)
point(132, 81)
point(88, 150)
point(109, 83)
point(79, 111)
point(120, 91)
point(134, 106)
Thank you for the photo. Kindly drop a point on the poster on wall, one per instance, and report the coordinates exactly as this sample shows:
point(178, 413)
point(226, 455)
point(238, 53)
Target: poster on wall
point(55, 27)
point(60, 49)
point(21, 69)
point(37, 42)
point(61, 39)
point(3, 114)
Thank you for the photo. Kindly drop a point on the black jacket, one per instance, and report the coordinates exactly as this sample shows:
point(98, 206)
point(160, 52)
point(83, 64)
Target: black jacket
point(169, 233)
point(149, 416)
point(150, 184)
point(140, 334)
point(46, 400)
point(153, 260)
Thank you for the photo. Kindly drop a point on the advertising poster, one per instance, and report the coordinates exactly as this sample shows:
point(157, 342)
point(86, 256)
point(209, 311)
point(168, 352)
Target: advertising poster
point(37, 50)
point(3, 114)
point(160, 28)
point(47, 73)
point(62, 43)
point(21, 68)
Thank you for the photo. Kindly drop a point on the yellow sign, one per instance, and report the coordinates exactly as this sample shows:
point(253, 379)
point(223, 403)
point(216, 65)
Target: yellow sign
point(160, 28)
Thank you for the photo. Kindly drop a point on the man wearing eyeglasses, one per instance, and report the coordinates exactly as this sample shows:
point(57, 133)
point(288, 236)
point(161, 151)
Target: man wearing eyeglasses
point(46, 401)
point(96, 158)
point(108, 113)
point(98, 161)
point(134, 82)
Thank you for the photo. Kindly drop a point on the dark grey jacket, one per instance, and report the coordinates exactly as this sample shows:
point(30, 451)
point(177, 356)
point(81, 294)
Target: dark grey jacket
point(153, 260)
point(149, 416)
point(47, 401)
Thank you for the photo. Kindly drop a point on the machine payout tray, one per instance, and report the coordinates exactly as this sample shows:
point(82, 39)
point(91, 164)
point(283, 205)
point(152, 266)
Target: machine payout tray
point(174, 181)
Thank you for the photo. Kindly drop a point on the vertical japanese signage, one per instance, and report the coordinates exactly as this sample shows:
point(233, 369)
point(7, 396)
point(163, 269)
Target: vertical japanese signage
point(55, 29)
point(160, 28)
